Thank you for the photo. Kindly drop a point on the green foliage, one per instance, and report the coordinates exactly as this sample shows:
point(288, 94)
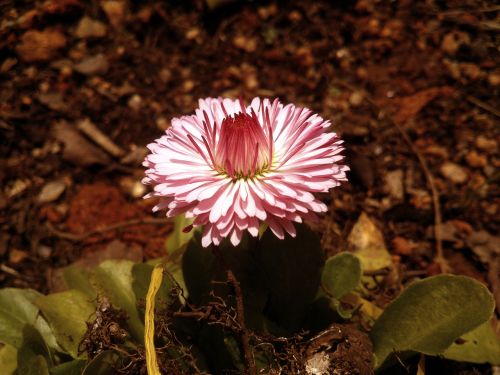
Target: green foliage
point(430, 314)
point(103, 364)
point(176, 244)
point(74, 367)
point(8, 359)
point(114, 280)
point(67, 313)
point(341, 274)
point(16, 310)
point(76, 277)
point(279, 279)
point(481, 345)
point(178, 238)
point(34, 356)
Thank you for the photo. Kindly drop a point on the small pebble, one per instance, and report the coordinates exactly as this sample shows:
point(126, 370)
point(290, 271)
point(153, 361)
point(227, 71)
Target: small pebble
point(187, 85)
point(162, 123)
point(356, 99)
point(135, 102)
point(91, 65)
point(452, 41)
point(476, 160)
point(486, 144)
point(454, 173)
point(394, 184)
point(51, 191)
point(44, 251)
point(192, 33)
point(247, 44)
point(17, 256)
point(90, 28)
point(494, 79)
point(402, 246)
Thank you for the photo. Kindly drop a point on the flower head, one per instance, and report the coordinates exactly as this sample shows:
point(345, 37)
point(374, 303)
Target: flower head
point(231, 167)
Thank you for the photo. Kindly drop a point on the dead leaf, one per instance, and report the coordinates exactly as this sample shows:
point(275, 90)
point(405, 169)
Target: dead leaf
point(77, 149)
point(485, 246)
point(115, 11)
point(90, 28)
point(410, 106)
point(40, 45)
point(368, 244)
point(54, 101)
point(91, 65)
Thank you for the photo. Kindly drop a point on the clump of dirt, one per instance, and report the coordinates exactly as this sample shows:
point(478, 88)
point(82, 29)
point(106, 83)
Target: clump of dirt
point(340, 349)
point(105, 332)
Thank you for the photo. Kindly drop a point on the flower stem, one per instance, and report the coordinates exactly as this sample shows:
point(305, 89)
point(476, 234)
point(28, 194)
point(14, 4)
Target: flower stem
point(250, 368)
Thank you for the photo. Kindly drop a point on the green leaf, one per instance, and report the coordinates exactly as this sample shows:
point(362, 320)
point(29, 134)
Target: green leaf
point(16, 310)
point(76, 277)
point(74, 367)
point(178, 238)
point(430, 314)
point(34, 356)
point(341, 274)
point(48, 335)
point(8, 359)
point(113, 279)
point(481, 345)
point(104, 363)
point(142, 276)
point(292, 271)
point(67, 313)
point(176, 245)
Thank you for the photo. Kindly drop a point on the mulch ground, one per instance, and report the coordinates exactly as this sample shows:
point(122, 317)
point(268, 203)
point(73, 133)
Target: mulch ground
point(412, 87)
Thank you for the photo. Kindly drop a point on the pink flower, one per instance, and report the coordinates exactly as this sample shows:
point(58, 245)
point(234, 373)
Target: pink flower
point(231, 167)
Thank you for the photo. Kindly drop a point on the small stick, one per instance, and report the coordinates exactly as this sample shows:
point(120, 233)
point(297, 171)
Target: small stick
point(240, 314)
point(483, 105)
point(81, 237)
point(99, 138)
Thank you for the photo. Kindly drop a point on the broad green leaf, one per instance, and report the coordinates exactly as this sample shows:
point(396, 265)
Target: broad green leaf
point(480, 345)
point(430, 314)
point(142, 276)
point(74, 367)
point(103, 364)
point(178, 238)
point(36, 365)
point(34, 356)
point(368, 244)
point(149, 320)
point(341, 274)
point(113, 279)
point(48, 335)
point(76, 277)
point(8, 359)
point(67, 313)
point(16, 310)
point(292, 272)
